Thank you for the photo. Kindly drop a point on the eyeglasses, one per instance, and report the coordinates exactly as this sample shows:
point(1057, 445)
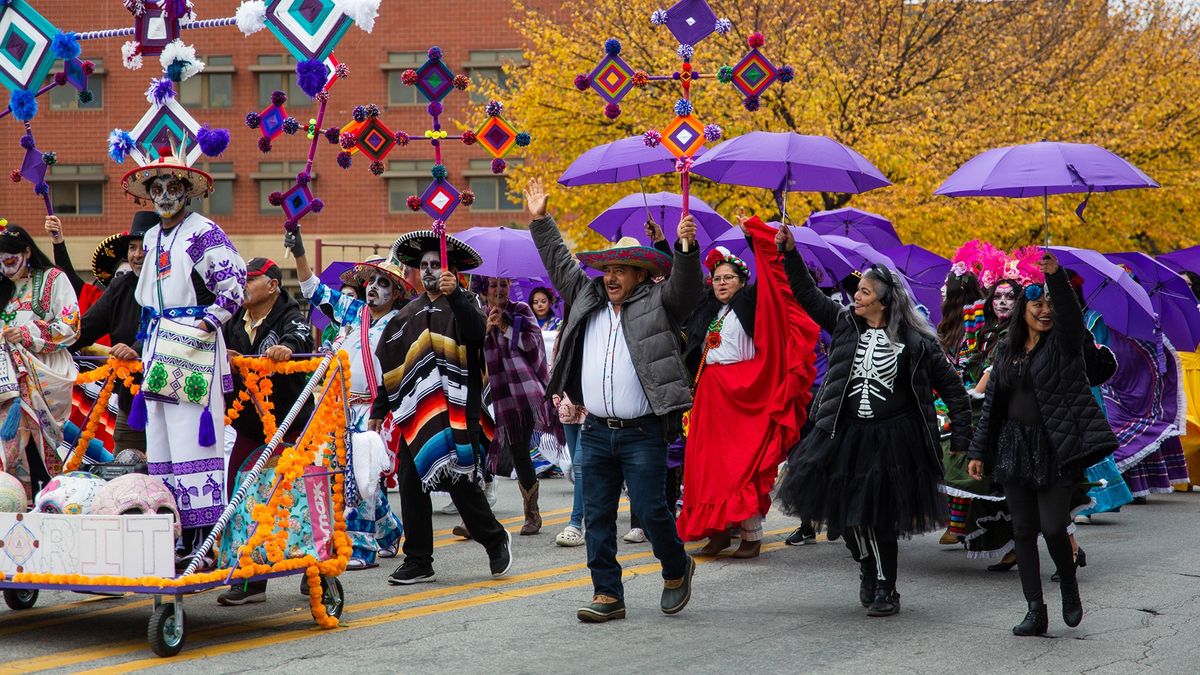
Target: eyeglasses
point(725, 279)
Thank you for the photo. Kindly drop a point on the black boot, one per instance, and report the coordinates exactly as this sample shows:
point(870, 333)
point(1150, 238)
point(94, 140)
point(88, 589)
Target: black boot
point(886, 603)
point(867, 582)
point(1072, 605)
point(1036, 621)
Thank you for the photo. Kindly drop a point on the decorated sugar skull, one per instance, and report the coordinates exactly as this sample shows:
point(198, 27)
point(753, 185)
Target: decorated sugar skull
point(134, 494)
point(12, 494)
point(72, 493)
point(130, 456)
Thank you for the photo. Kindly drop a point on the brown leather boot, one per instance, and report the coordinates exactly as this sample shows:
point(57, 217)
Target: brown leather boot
point(461, 530)
point(533, 516)
point(748, 549)
point(716, 543)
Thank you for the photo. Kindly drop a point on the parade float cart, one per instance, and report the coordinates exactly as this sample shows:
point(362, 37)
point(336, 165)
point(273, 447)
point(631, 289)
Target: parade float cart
point(284, 519)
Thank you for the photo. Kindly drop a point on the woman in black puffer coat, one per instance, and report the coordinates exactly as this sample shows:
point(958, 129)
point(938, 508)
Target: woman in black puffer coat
point(871, 466)
point(1041, 428)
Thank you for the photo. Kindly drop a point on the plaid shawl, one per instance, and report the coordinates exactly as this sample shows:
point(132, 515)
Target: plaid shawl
point(425, 373)
point(518, 372)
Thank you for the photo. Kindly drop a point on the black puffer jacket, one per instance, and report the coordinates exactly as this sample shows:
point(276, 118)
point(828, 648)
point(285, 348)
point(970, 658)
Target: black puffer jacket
point(1078, 431)
point(929, 373)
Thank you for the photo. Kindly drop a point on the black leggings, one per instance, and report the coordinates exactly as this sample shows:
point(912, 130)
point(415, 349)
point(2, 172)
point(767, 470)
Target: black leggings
point(38, 475)
point(1046, 511)
point(878, 558)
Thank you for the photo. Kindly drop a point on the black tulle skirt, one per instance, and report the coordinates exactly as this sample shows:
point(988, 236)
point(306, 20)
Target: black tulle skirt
point(872, 473)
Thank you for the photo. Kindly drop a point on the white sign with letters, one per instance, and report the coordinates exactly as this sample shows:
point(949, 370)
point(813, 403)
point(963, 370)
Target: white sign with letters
point(124, 546)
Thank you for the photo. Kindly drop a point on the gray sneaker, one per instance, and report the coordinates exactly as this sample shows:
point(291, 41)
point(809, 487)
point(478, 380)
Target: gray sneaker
point(244, 594)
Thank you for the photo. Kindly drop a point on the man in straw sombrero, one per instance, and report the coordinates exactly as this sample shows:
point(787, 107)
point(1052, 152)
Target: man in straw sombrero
point(433, 376)
point(618, 355)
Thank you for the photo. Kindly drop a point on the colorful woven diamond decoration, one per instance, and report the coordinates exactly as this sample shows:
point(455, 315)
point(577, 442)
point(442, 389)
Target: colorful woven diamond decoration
point(434, 80)
point(156, 27)
point(753, 74)
point(76, 76)
point(25, 54)
point(684, 136)
point(271, 121)
point(162, 126)
point(439, 199)
point(374, 139)
point(690, 21)
point(309, 29)
point(297, 202)
point(496, 136)
point(612, 78)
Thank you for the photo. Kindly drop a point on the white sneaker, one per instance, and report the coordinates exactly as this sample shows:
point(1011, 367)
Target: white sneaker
point(570, 536)
point(635, 536)
point(450, 509)
point(489, 489)
point(1083, 520)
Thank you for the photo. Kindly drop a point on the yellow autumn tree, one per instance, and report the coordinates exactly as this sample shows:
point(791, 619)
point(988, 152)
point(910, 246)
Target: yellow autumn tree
point(916, 87)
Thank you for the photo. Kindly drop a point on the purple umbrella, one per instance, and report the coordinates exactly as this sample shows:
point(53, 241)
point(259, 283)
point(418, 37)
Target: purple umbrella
point(619, 161)
point(863, 256)
point(789, 162)
point(869, 228)
point(628, 216)
point(919, 264)
point(1183, 260)
point(817, 253)
point(506, 252)
point(1170, 296)
point(330, 276)
point(1043, 169)
point(1109, 290)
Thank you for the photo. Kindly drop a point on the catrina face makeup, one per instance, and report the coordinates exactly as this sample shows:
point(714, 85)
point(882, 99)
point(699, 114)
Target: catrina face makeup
point(12, 265)
point(169, 195)
point(1004, 299)
point(380, 291)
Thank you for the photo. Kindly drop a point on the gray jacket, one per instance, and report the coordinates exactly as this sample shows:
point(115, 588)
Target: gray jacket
point(650, 318)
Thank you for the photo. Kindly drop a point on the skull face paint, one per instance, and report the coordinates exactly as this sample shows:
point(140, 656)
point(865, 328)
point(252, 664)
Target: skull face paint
point(1004, 299)
point(169, 195)
point(380, 291)
point(12, 265)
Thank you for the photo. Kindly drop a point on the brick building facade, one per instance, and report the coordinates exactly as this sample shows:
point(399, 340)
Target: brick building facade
point(240, 74)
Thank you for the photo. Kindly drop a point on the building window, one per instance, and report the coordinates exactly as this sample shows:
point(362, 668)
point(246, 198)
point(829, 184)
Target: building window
point(66, 97)
point(406, 178)
point(398, 62)
point(213, 87)
point(491, 191)
point(276, 177)
point(277, 72)
point(220, 202)
point(77, 189)
point(489, 66)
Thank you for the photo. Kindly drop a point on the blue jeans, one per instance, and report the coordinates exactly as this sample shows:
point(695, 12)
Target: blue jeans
point(572, 432)
point(637, 458)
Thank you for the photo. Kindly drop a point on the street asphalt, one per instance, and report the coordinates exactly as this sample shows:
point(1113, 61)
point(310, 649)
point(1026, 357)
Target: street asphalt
point(792, 610)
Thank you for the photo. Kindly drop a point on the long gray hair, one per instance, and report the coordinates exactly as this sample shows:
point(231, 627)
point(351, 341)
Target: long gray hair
point(900, 308)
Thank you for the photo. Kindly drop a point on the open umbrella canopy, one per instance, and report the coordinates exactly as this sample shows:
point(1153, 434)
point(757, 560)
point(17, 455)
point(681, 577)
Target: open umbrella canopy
point(1045, 168)
point(863, 256)
point(506, 252)
point(789, 162)
point(1183, 260)
point(628, 216)
point(817, 253)
point(1124, 304)
point(619, 161)
point(1170, 296)
point(920, 264)
point(869, 228)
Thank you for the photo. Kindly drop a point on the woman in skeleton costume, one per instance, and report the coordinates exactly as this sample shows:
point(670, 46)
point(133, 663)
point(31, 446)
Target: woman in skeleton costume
point(871, 467)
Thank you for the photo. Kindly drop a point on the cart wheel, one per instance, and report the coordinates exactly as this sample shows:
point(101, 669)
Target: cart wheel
point(20, 598)
point(166, 632)
point(332, 596)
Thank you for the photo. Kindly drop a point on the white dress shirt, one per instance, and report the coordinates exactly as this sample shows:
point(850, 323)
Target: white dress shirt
point(610, 383)
point(736, 346)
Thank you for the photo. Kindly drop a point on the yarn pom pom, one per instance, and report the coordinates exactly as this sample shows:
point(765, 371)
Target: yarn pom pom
point(372, 110)
point(89, 68)
point(251, 16)
point(461, 82)
point(376, 168)
point(15, 175)
point(786, 74)
point(413, 202)
point(347, 140)
point(27, 142)
point(640, 78)
point(499, 165)
point(712, 133)
point(612, 46)
point(468, 137)
point(179, 61)
point(322, 96)
point(50, 158)
point(41, 189)
point(131, 55)
point(612, 111)
point(659, 17)
point(278, 97)
point(401, 138)
point(756, 40)
point(303, 178)
point(359, 113)
point(291, 125)
point(435, 53)
point(342, 70)
point(212, 141)
point(750, 103)
point(723, 26)
point(160, 90)
point(264, 144)
point(466, 198)
point(523, 139)
point(318, 205)
point(291, 226)
point(362, 12)
point(60, 79)
point(683, 107)
point(65, 46)
point(409, 77)
point(494, 108)
point(312, 75)
point(23, 104)
point(686, 52)
point(86, 97)
point(725, 74)
point(333, 135)
point(652, 138)
point(275, 198)
point(434, 108)
point(582, 82)
point(344, 159)
point(438, 172)
point(253, 120)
